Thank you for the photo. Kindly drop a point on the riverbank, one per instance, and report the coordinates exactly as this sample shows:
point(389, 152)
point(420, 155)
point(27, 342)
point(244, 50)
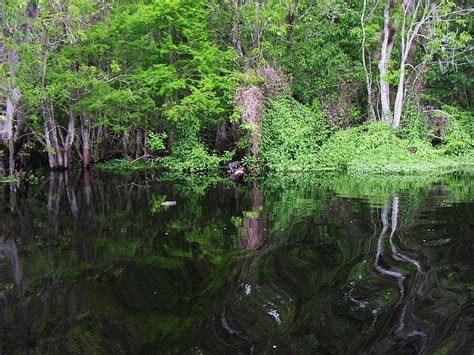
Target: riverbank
point(373, 149)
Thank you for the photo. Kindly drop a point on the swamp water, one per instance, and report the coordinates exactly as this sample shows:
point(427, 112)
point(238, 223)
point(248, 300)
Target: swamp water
point(290, 265)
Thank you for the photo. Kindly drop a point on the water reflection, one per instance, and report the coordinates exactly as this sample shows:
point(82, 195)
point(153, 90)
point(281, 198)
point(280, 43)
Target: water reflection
point(292, 264)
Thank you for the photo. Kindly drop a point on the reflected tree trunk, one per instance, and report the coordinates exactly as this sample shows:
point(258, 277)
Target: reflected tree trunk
point(71, 195)
point(55, 189)
point(253, 222)
point(409, 284)
point(8, 251)
point(87, 189)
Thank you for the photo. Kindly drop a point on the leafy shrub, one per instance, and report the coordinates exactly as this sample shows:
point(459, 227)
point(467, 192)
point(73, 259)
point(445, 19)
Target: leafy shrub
point(337, 151)
point(413, 125)
point(125, 166)
point(375, 148)
point(156, 141)
point(189, 154)
point(458, 139)
point(291, 136)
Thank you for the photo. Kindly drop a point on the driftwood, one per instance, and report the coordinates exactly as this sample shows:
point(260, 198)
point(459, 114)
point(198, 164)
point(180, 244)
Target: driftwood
point(169, 203)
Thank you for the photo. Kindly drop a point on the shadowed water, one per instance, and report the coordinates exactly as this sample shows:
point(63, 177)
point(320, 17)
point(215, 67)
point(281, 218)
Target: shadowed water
point(290, 264)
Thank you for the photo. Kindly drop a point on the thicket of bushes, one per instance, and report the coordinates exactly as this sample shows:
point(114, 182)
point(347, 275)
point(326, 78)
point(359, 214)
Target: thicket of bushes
point(291, 136)
point(294, 138)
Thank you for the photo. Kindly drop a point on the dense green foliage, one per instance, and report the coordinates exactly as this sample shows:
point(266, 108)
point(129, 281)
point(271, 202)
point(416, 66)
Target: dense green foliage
point(291, 136)
point(162, 82)
point(376, 148)
point(189, 154)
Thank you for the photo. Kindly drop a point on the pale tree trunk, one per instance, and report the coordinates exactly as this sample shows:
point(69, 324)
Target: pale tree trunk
point(125, 145)
point(6, 127)
point(71, 125)
point(48, 125)
point(49, 148)
point(47, 137)
point(367, 66)
point(86, 144)
point(406, 44)
point(139, 143)
point(419, 13)
point(399, 99)
point(55, 157)
point(55, 139)
point(407, 38)
point(7, 133)
point(385, 53)
point(69, 138)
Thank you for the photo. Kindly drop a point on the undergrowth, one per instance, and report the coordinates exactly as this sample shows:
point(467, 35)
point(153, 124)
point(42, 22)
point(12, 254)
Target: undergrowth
point(291, 136)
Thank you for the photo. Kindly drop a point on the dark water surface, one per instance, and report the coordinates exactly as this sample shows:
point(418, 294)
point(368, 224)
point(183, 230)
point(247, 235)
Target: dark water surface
point(290, 265)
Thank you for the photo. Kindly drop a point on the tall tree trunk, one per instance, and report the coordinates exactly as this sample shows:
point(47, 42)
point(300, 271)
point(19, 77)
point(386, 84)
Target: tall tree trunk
point(86, 144)
point(55, 139)
point(385, 54)
point(71, 133)
point(71, 125)
point(221, 137)
point(125, 145)
point(8, 135)
point(6, 127)
point(399, 99)
point(139, 143)
point(47, 137)
point(55, 157)
point(11, 158)
point(367, 67)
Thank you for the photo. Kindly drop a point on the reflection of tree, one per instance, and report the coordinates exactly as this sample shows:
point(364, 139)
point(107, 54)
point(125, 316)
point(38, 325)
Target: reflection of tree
point(10, 268)
point(102, 268)
point(253, 222)
point(287, 284)
point(408, 326)
point(71, 196)
point(8, 251)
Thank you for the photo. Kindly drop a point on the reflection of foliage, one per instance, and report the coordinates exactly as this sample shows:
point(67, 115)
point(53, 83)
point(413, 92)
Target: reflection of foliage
point(191, 183)
point(162, 279)
point(155, 203)
point(457, 188)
